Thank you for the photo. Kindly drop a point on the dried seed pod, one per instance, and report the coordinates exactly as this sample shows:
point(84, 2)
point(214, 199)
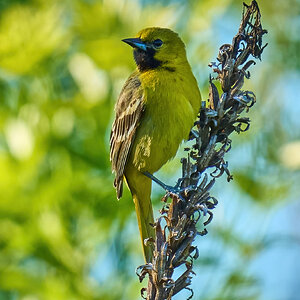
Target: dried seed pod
point(214, 98)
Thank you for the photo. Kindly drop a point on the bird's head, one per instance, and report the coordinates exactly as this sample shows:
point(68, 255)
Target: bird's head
point(157, 47)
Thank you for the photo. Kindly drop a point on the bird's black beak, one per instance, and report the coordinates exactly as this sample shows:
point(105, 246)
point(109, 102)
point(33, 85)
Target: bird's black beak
point(136, 43)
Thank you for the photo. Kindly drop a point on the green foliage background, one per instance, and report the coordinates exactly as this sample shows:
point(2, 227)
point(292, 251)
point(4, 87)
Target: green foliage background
point(63, 235)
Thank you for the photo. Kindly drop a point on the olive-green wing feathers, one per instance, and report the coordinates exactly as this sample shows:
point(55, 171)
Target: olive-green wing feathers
point(129, 109)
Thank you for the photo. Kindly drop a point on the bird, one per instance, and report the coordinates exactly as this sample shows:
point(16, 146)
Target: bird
point(155, 112)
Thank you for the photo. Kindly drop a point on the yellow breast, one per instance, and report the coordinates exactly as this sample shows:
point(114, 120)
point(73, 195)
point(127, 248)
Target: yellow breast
point(172, 102)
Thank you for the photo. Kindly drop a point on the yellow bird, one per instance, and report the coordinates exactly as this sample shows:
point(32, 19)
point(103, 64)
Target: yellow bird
point(155, 111)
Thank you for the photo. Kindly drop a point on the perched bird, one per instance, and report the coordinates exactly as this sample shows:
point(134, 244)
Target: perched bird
point(154, 113)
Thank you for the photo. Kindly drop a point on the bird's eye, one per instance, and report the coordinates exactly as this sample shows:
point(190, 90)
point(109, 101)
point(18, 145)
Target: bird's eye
point(157, 43)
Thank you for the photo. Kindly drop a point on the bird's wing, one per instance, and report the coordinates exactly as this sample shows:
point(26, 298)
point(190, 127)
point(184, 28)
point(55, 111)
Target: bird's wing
point(129, 109)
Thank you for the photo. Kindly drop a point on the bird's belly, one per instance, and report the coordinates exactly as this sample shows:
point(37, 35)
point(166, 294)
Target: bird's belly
point(159, 136)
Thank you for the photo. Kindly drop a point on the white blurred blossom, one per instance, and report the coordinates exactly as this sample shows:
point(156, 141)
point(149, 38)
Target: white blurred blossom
point(290, 155)
point(93, 82)
point(19, 139)
point(63, 122)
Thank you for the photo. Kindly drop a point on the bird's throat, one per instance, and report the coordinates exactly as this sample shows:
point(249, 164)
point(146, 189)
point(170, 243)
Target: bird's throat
point(145, 59)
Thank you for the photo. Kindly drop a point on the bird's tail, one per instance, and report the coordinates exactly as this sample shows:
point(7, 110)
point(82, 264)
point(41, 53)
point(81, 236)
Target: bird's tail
point(144, 215)
point(140, 187)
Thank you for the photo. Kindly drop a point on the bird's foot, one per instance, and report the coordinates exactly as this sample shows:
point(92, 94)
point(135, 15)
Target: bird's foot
point(170, 189)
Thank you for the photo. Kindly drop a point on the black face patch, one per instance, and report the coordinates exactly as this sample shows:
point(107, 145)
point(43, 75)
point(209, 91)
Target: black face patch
point(145, 59)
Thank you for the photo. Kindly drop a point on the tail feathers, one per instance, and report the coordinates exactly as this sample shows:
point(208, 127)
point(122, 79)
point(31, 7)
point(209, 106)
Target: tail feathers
point(118, 184)
point(140, 188)
point(144, 214)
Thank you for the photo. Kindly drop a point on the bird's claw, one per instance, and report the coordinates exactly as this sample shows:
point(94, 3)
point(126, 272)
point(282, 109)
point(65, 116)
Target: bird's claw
point(173, 189)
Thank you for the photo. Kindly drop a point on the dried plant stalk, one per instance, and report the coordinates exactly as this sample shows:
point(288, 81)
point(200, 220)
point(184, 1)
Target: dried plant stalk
point(191, 201)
